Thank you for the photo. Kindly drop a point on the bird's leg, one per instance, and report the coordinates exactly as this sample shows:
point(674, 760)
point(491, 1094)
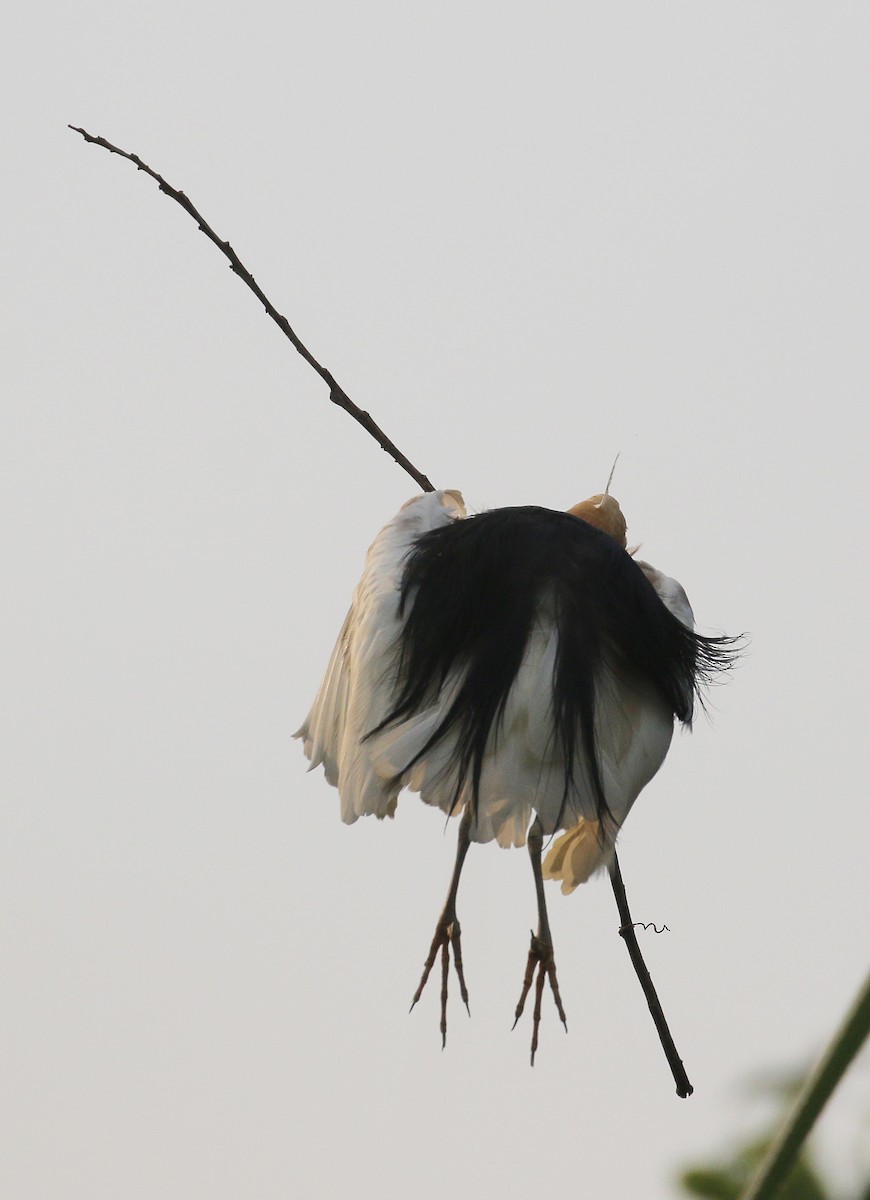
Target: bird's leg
point(447, 932)
point(541, 949)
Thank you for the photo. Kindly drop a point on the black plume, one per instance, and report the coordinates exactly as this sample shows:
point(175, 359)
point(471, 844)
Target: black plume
point(470, 593)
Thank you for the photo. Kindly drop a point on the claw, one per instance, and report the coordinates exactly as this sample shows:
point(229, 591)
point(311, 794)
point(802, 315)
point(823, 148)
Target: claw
point(541, 959)
point(447, 933)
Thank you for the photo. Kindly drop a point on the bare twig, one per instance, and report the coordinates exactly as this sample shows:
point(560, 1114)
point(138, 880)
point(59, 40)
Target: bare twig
point(337, 394)
point(626, 932)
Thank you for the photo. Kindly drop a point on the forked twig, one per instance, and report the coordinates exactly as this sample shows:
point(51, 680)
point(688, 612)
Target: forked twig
point(337, 394)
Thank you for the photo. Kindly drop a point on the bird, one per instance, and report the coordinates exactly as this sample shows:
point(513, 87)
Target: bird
point(521, 670)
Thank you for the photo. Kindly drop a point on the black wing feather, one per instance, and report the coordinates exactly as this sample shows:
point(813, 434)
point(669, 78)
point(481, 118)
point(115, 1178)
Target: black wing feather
point(470, 594)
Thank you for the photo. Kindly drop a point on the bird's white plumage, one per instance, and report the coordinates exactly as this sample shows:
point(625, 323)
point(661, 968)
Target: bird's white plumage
point(522, 775)
point(356, 691)
point(671, 593)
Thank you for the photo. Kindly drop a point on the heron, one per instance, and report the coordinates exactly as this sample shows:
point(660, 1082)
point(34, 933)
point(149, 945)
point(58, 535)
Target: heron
point(521, 670)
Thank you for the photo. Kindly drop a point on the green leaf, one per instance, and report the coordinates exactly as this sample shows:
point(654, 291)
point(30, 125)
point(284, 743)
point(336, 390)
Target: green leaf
point(712, 1184)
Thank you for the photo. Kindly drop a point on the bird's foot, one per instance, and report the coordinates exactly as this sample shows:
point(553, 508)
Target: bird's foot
point(540, 957)
point(447, 934)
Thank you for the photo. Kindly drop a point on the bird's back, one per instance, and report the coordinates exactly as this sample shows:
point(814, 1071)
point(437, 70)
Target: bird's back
point(539, 673)
point(519, 661)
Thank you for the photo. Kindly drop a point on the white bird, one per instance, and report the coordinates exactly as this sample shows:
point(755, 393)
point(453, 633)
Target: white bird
point(517, 667)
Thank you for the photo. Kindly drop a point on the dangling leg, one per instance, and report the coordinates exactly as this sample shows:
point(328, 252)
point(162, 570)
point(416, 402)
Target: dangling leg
point(447, 932)
point(541, 949)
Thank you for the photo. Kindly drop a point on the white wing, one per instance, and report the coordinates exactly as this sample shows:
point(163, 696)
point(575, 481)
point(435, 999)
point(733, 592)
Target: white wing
point(357, 689)
point(671, 593)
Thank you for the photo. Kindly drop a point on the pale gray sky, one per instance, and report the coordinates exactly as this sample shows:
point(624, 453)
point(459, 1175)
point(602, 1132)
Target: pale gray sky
point(525, 237)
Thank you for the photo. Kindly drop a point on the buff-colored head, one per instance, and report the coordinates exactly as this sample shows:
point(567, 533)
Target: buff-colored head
point(604, 513)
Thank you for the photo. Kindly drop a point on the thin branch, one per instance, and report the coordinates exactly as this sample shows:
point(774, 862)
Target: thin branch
point(626, 932)
point(814, 1095)
point(337, 394)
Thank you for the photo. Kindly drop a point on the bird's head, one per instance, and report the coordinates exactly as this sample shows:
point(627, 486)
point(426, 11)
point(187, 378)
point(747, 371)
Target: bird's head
point(604, 513)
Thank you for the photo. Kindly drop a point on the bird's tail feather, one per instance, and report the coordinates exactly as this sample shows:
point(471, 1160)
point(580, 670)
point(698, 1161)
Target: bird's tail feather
point(577, 854)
